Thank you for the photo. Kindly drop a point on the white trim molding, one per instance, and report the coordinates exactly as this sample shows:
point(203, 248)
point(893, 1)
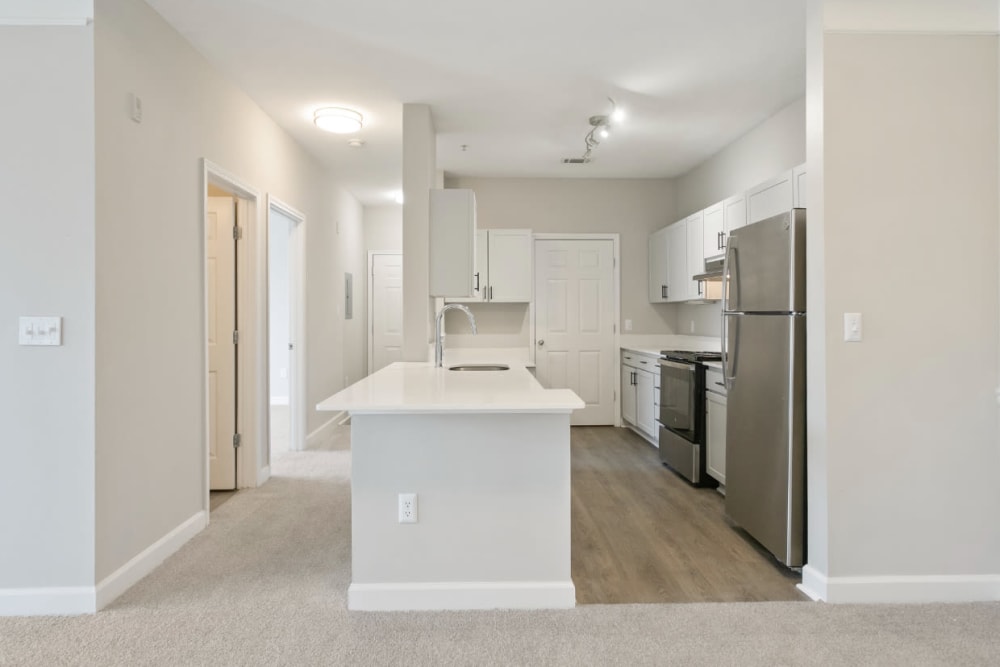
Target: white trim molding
point(72, 22)
point(152, 557)
point(462, 595)
point(76, 600)
point(900, 589)
point(54, 601)
point(325, 430)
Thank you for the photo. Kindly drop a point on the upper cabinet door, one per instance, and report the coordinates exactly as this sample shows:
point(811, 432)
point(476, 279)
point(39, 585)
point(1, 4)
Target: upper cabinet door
point(695, 260)
point(482, 274)
point(734, 211)
point(770, 198)
point(658, 266)
point(452, 242)
point(678, 277)
point(713, 236)
point(510, 266)
point(799, 182)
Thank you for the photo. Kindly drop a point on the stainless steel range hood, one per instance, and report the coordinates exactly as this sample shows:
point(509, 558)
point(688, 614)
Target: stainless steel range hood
point(713, 270)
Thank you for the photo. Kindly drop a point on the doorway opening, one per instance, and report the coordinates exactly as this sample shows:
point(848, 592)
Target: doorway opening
point(285, 329)
point(233, 333)
point(385, 309)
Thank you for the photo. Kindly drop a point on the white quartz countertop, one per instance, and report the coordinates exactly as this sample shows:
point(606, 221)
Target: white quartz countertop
point(419, 387)
point(653, 345)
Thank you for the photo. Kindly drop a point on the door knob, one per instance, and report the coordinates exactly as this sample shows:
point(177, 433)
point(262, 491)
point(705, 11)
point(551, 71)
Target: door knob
point(541, 343)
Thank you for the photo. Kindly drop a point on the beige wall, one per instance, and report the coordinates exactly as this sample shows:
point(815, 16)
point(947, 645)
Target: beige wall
point(384, 228)
point(47, 268)
point(911, 211)
point(419, 177)
point(150, 385)
point(631, 207)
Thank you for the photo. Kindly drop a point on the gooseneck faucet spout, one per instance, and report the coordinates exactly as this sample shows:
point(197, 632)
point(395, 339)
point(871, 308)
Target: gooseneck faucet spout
point(439, 330)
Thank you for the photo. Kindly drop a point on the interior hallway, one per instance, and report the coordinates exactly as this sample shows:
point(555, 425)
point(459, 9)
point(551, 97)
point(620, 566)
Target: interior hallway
point(266, 583)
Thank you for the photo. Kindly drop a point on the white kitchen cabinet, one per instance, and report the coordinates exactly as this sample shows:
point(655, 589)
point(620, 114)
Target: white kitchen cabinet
point(715, 429)
point(503, 269)
point(657, 266)
point(799, 186)
point(770, 198)
point(645, 409)
point(640, 395)
point(714, 230)
point(695, 263)
point(510, 266)
point(677, 275)
point(734, 214)
point(452, 236)
point(629, 415)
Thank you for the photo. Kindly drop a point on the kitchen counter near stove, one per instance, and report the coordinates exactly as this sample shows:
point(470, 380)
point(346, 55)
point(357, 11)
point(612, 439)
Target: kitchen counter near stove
point(654, 344)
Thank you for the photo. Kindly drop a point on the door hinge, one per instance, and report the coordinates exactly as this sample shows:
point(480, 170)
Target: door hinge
point(236, 337)
point(237, 439)
point(237, 232)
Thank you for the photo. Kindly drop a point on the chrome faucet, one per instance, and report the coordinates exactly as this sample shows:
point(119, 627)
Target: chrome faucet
point(439, 330)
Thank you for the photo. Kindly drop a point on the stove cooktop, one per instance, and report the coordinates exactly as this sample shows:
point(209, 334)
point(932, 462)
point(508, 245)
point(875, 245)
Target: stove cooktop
point(692, 355)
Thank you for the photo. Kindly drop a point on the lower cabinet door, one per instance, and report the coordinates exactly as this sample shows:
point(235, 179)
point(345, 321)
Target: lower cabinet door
point(645, 407)
point(715, 426)
point(628, 395)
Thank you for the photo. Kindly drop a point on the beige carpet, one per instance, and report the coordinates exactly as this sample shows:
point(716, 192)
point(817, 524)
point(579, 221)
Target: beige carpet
point(265, 585)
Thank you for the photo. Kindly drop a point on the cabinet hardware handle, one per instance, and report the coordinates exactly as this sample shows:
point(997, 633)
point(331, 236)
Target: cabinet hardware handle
point(663, 291)
point(699, 288)
point(477, 281)
point(718, 240)
point(541, 343)
point(722, 241)
point(491, 292)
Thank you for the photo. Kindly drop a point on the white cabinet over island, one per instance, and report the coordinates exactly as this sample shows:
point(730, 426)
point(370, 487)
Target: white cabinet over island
point(487, 454)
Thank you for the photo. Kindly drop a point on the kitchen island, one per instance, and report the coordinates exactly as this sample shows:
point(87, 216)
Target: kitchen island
point(487, 455)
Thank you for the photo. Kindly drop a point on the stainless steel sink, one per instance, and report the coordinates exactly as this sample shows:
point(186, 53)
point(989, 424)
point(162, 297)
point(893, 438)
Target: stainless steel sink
point(480, 367)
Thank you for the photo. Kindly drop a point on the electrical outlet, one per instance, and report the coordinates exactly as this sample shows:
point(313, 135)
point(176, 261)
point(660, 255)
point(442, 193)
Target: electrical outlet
point(407, 508)
point(628, 325)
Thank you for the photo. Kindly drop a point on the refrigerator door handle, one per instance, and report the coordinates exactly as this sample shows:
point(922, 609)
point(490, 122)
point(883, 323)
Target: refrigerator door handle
point(727, 378)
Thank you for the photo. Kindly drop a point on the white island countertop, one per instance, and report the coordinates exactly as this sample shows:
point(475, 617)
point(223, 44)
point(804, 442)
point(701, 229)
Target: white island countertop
point(419, 387)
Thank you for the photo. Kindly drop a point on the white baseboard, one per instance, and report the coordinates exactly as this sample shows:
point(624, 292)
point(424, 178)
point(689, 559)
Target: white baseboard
point(128, 574)
point(68, 601)
point(263, 475)
point(65, 601)
point(323, 431)
point(462, 595)
point(900, 589)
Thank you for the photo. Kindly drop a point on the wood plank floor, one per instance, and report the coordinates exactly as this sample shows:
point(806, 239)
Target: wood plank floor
point(641, 533)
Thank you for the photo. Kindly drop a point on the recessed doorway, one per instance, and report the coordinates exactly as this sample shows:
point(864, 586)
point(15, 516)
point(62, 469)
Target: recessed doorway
point(285, 324)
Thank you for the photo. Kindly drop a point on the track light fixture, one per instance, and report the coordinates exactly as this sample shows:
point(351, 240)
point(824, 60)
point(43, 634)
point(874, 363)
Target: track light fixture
point(600, 129)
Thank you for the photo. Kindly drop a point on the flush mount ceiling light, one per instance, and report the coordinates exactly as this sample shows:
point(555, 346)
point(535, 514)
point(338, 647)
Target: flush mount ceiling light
point(600, 129)
point(337, 120)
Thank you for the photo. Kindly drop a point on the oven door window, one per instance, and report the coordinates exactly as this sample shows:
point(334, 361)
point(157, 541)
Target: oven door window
point(677, 393)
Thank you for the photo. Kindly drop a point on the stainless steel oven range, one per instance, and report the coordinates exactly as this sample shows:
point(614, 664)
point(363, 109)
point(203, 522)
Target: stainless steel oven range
point(682, 413)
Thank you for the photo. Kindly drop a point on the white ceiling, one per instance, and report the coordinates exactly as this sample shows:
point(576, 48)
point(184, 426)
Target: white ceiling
point(515, 81)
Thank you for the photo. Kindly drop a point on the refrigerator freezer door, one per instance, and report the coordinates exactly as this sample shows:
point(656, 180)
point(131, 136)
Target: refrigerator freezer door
point(765, 431)
point(767, 265)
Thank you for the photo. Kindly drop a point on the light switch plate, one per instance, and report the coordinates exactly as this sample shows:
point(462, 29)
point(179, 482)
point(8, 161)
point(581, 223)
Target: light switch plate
point(39, 331)
point(852, 327)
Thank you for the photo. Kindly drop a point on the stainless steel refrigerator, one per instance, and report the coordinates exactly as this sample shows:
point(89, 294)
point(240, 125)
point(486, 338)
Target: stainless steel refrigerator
point(763, 357)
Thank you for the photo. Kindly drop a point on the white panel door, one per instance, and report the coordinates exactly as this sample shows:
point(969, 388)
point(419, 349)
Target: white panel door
point(387, 310)
point(221, 255)
point(695, 255)
point(574, 323)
